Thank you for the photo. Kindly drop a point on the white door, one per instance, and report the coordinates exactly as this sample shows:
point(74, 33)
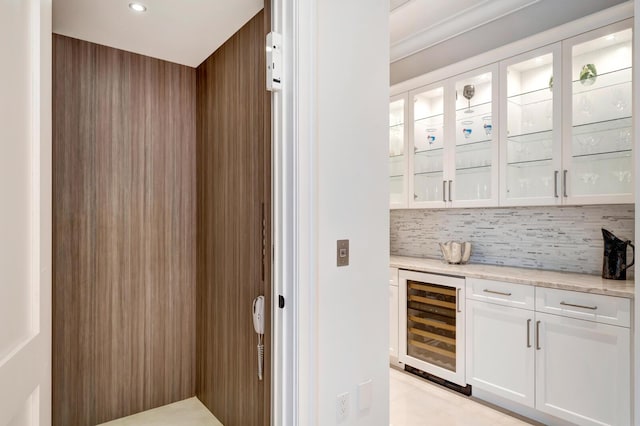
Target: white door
point(583, 370)
point(500, 351)
point(25, 213)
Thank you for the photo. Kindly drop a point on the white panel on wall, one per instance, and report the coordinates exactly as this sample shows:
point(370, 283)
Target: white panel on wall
point(555, 238)
point(352, 203)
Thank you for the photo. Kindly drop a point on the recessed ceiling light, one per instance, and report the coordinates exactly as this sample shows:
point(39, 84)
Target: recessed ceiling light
point(137, 7)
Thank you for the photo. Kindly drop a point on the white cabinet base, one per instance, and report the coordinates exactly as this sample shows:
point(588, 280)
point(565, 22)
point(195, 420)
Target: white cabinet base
point(522, 410)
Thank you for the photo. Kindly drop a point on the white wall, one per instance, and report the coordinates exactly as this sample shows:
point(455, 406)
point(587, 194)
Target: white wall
point(352, 203)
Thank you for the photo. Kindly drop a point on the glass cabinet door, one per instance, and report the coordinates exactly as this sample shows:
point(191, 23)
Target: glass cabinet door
point(531, 157)
point(475, 153)
point(397, 163)
point(598, 159)
point(429, 141)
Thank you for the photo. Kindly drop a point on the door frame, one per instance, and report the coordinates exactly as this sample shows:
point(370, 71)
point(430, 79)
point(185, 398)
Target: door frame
point(294, 379)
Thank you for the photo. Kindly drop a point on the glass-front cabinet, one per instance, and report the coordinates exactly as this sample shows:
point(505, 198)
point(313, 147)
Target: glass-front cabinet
point(397, 152)
point(455, 153)
point(531, 154)
point(474, 177)
point(551, 126)
point(428, 185)
point(598, 159)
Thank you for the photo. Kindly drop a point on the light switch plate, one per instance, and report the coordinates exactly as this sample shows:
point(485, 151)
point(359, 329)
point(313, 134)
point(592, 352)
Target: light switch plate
point(342, 253)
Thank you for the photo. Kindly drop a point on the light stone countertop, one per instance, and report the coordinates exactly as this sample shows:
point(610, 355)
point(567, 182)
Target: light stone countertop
point(536, 277)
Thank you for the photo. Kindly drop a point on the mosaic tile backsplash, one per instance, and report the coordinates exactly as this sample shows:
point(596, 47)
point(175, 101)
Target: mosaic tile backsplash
point(555, 238)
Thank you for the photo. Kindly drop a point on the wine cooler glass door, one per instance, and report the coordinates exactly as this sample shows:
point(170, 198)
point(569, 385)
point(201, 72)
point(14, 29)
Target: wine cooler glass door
point(432, 334)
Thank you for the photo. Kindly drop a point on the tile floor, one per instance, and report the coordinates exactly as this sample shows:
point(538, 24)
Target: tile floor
point(413, 402)
point(190, 412)
point(418, 402)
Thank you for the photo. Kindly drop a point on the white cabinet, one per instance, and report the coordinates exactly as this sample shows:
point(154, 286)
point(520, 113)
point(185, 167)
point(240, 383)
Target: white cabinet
point(552, 126)
point(393, 317)
point(397, 152)
point(562, 357)
point(583, 370)
point(587, 157)
point(454, 160)
point(500, 355)
point(597, 157)
point(530, 125)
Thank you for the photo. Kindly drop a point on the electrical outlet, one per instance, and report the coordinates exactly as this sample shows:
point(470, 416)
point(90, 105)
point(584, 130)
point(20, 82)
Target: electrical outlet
point(342, 406)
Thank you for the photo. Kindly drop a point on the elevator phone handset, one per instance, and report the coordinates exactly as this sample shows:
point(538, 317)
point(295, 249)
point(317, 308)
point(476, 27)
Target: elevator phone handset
point(258, 325)
point(258, 314)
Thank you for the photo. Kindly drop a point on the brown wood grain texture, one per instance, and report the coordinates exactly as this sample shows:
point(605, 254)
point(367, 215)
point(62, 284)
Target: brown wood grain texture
point(234, 186)
point(124, 235)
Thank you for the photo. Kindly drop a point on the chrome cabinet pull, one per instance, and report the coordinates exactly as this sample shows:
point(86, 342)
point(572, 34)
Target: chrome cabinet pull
point(538, 335)
point(458, 300)
point(564, 183)
point(450, 182)
point(528, 333)
point(555, 183)
point(444, 191)
point(593, 308)
point(496, 292)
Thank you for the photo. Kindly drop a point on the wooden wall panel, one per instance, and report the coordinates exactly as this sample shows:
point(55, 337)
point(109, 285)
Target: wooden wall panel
point(233, 157)
point(124, 236)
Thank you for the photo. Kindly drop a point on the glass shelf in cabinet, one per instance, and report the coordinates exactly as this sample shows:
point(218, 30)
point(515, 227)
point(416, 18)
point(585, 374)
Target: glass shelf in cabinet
point(430, 117)
point(392, 156)
point(522, 99)
point(427, 173)
point(609, 155)
point(604, 81)
point(480, 105)
point(396, 176)
point(474, 169)
point(530, 163)
point(434, 151)
point(538, 136)
point(473, 146)
point(602, 126)
point(393, 126)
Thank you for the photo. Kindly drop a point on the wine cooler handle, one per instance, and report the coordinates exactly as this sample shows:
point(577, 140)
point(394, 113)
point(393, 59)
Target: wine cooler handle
point(458, 300)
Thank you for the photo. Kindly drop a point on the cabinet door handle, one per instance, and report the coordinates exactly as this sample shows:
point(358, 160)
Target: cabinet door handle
point(450, 182)
point(496, 292)
point(564, 183)
point(528, 333)
point(555, 183)
point(593, 308)
point(458, 300)
point(538, 335)
point(444, 191)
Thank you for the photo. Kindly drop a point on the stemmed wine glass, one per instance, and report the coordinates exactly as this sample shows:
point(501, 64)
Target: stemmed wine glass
point(468, 91)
